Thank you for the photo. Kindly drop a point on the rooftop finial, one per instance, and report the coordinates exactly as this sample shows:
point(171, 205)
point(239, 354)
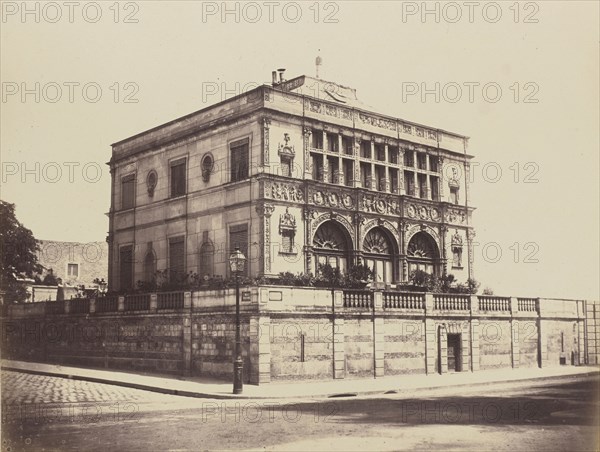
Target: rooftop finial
point(318, 62)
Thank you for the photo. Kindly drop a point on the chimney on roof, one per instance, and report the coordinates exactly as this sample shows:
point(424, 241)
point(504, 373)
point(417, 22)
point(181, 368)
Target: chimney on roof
point(281, 71)
point(318, 62)
point(274, 78)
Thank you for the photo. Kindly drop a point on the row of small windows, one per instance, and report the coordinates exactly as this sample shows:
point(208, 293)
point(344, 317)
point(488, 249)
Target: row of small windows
point(238, 237)
point(375, 151)
point(239, 167)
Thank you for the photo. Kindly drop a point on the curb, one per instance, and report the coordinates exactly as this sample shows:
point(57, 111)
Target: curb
point(220, 396)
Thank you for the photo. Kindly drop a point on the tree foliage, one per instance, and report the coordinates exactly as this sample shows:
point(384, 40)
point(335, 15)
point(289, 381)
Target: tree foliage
point(18, 257)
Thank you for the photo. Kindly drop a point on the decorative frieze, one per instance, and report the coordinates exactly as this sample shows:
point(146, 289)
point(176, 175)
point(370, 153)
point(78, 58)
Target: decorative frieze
point(282, 191)
point(456, 216)
point(383, 205)
point(330, 198)
point(422, 212)
point(382, 123)
point(328, 109)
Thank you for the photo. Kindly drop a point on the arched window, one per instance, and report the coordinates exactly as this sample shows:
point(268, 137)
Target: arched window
point(331, 245)
point(206, 264)
point(379, 255)
point(422, 254)
point(149, 264)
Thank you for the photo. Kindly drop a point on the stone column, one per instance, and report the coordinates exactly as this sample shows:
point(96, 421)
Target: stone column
point(474, 345)
point(264, 211)
point(514, 327)
point(260, 349)
point(307, 133)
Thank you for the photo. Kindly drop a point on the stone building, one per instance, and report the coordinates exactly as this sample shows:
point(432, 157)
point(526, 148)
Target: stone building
point(297, 173)
point(73, 262)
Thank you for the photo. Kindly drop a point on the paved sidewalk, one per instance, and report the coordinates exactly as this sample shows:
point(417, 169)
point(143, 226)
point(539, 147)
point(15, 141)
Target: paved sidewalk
point(219, 389)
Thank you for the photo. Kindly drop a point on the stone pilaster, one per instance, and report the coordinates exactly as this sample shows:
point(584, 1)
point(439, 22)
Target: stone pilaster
point(474, 345)
point(339, 357)
point(260, 349)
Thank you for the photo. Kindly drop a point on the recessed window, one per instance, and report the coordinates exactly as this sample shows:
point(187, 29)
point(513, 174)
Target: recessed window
point(365, 149)
point(317, 167)
point(239, 161)
point(128, 191)
point(126, 267)
point(332, 142)
point(73, 270)
point(347, 145)
point(176, 258)
point(409, 159)
point(207, 165)
point(409, 183)
point(393, 154)
point(178, 179)
point(317, 139)
point(238, 238)
point(454, 195)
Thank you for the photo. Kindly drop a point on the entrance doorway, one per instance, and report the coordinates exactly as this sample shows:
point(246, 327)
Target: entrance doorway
point(454, 358)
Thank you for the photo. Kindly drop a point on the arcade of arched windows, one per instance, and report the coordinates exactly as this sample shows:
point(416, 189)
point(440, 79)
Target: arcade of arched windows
point(379, 249)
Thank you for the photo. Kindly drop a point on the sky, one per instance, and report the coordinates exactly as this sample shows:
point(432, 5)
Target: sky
point(521, 79)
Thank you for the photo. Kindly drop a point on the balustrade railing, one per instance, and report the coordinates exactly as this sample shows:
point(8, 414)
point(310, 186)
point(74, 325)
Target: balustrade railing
point(79, 305)
point(493, 303)
point(451, 302)
point(55, 307)
point(403, 300)
point(137, 302)
point(358, 299)
point(527, 304)
point(170, 300)
point(107, 304)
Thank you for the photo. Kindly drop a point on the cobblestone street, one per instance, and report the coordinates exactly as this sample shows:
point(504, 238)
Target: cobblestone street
point(51, 413)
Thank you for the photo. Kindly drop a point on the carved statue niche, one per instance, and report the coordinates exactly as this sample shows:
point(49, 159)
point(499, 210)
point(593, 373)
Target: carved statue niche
point(287, 230)
point(456, 245)
point(286, 156)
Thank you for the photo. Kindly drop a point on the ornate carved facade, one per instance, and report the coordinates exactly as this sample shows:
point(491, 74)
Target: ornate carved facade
point(344, 185)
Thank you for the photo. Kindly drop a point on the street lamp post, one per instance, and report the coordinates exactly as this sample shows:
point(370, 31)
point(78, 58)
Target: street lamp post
point(236, 263)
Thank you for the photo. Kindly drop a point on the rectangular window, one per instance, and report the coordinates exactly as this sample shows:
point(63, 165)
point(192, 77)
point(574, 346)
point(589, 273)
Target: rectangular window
point(239, 161)
point(178, 179)
point(380, 174)
point(348, 172)
point(422, 161)
point(317, 167)
point(332, 142)
point(73, 270)
point(317, 139)
point(128, 192)
point(393, 155)
point(380, 152)
point(347, 145)
point(238, 237)
point(409, 183)
point(176, 259)
point(365, 149)
point(126, 267)
point(422, 178)
point(286, 167)
point(433, 164)
point(332, 170)
point(365, 175)
point(394, 180)
point(435, 188)
point(409, 160)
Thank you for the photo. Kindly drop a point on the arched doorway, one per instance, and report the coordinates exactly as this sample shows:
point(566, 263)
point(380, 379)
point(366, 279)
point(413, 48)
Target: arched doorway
point(422, 254)
point(379, 255)
point(331, 245)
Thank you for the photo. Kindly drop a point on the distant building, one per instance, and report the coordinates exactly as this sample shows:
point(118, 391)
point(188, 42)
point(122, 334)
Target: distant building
point(296, 174)
point(74, 263)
